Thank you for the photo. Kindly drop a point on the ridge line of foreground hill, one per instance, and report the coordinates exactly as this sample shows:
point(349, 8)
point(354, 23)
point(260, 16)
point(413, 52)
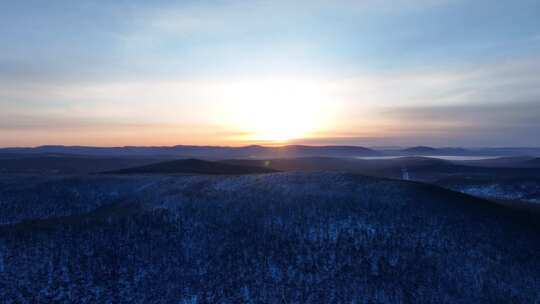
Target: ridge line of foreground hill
point(123, 207)
point(297, 237)
point(300, 237)
point(194, 166)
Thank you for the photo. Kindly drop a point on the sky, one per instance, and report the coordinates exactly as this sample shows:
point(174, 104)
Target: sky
point(318, 72)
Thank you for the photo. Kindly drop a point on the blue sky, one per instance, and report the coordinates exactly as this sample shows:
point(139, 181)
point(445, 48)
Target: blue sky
point(433, 72)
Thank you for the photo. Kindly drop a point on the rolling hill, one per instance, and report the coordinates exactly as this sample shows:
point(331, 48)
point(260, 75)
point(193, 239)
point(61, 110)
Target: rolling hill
point(17, 163)
point(390, 168)
point(193, 166)
point(420, 168)
point(423, 150)
point(202, 152)
point(272, 238)
point(533, 162)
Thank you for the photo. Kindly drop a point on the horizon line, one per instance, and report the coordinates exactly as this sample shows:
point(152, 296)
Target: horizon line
point(269, 146)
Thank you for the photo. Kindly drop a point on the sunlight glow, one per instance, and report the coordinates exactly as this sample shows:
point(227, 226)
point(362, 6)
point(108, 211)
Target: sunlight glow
point(276, 110)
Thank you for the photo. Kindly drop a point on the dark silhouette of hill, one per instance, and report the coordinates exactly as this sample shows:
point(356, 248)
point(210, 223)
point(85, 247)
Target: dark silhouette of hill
point(204, 152)
point(516, 184)
point(501, 162)
point(391, 168)
point(423, 150)
point(321, 151)
point(259, 152)
point(510, 151)
point(419, 149)
point(533, 162)
point(66, 164)
point(419, 168)
point(287, 237)
point(193, 166)
point(458, 151)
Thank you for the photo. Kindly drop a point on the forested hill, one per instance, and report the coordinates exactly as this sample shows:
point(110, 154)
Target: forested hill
point(273, 238)
point(194, 166)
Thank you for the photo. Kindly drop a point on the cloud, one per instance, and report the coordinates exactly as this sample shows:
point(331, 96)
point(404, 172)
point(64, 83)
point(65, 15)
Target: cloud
point(488, 115)
point(480, 124)
point(249, 16)
point(482, 104)
point(493, 82)
point(36, 129)
point(490, 103)
point(132, 41)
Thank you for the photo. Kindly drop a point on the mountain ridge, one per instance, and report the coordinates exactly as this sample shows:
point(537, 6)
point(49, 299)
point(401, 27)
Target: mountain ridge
point(208, 152)
point(193, 166)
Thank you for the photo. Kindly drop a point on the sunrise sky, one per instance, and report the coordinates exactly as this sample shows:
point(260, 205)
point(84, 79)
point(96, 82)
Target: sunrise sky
point(402, 72)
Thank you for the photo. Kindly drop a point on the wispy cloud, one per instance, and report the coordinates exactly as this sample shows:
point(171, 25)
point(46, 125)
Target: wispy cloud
point(424, 102)
point(389, 69)
point(248, 16)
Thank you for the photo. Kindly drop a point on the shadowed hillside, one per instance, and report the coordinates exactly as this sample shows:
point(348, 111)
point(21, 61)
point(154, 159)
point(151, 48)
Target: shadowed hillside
point(273, 238)
point(65, 164)
point(202, 152)
point(534, 162)
point(390, 168)
point(423, 150)
point(419, 168)
point(510, 180)
point(193, 166)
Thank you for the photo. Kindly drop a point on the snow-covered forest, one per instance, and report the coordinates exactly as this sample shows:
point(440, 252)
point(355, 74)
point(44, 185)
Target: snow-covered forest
point(275, 238)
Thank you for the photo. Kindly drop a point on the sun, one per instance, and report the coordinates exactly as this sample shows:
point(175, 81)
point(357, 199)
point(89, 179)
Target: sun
point(276, 110)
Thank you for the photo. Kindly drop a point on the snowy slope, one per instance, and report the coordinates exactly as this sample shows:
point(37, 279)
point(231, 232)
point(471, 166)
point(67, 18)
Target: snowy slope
point(273, 238)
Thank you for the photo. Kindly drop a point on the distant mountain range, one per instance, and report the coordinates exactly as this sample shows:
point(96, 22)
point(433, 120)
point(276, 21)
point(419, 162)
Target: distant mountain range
point(261, 152)
point(423, 150)
point(67, 164)
point(204, 152)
